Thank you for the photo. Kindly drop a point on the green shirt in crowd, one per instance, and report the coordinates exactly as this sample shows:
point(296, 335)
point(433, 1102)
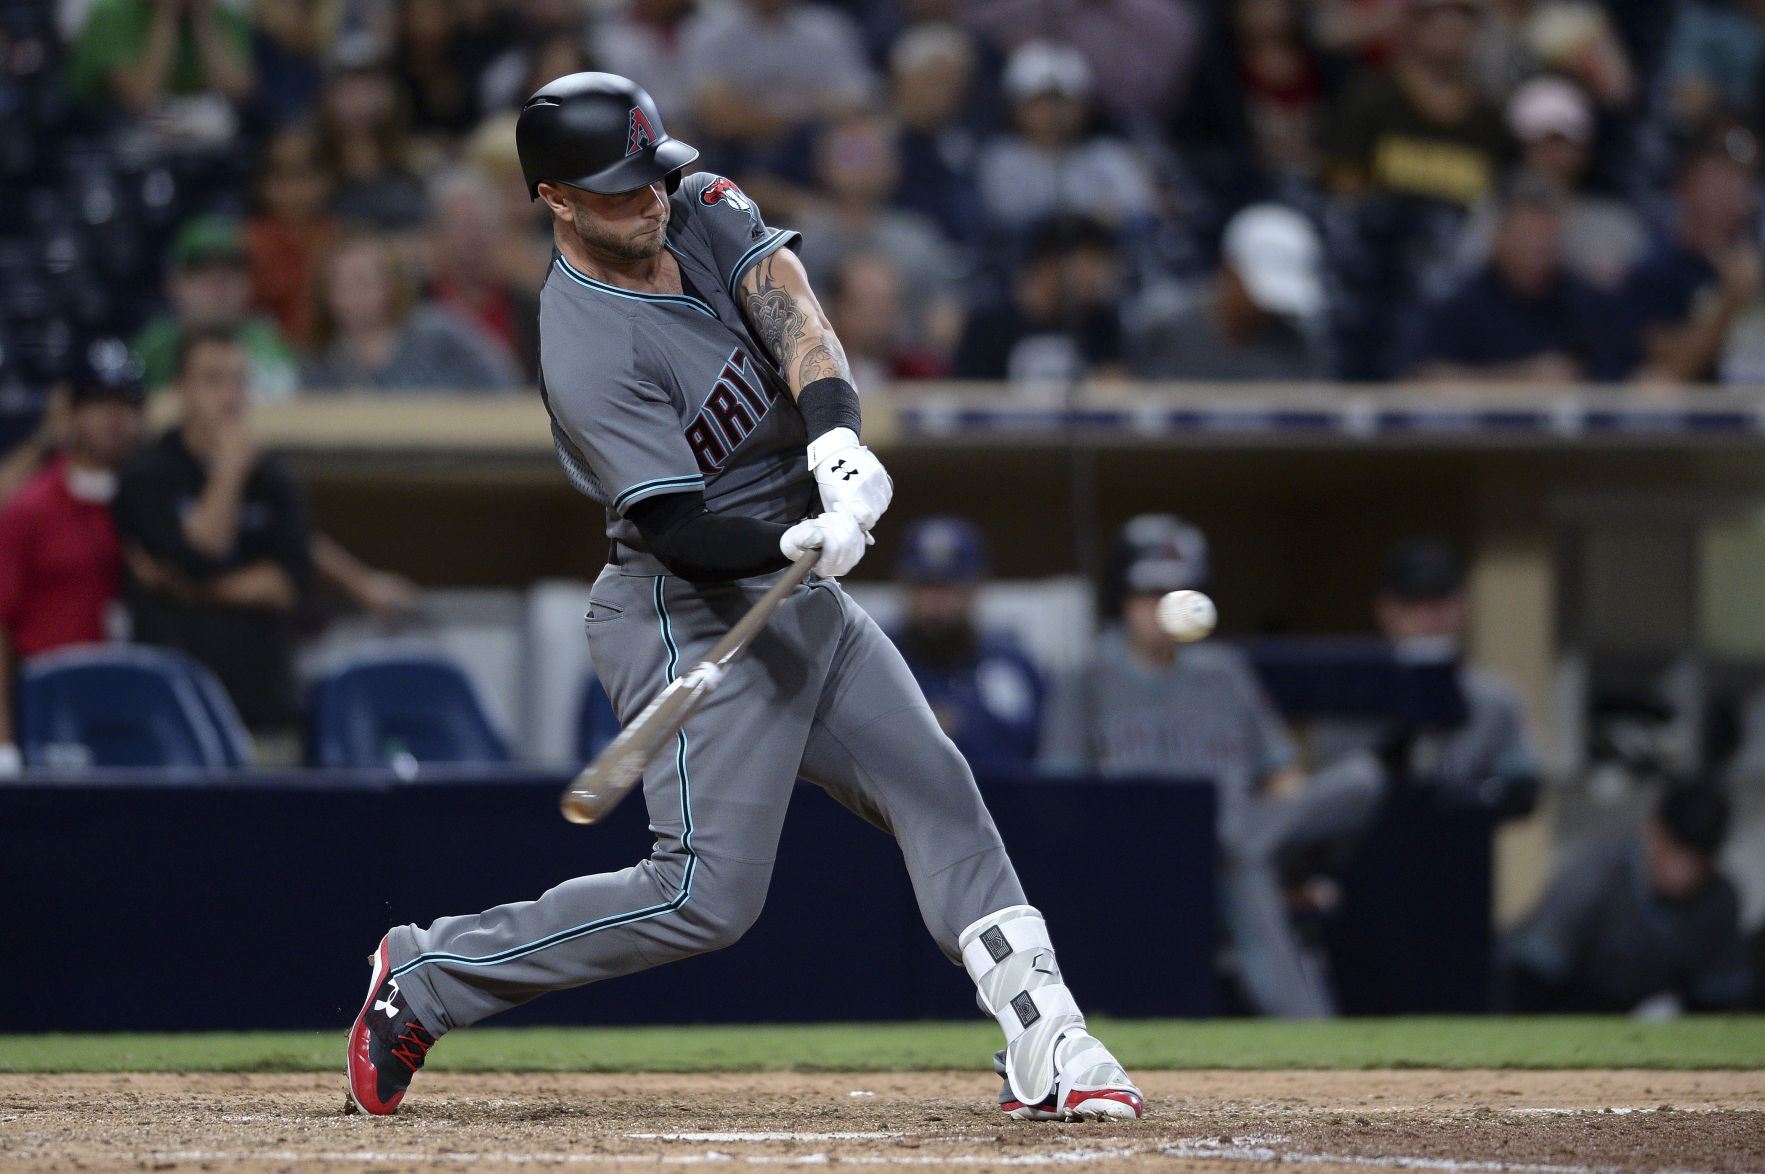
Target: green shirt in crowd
point(115, 33)
point(275, 373)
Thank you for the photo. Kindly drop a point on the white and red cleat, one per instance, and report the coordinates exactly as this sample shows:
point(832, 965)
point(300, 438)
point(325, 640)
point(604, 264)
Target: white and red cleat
point(1088, 1085)
point(386, 1045)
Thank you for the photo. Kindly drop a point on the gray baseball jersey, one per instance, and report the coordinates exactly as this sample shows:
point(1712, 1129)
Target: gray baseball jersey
point(652, 394)
point(1206, 716)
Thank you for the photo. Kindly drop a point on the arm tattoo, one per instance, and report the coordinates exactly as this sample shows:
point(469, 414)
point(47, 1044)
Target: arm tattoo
point(804, 348)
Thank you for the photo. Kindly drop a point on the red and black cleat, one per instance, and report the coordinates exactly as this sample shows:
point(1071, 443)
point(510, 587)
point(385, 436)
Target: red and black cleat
point(386, 1045)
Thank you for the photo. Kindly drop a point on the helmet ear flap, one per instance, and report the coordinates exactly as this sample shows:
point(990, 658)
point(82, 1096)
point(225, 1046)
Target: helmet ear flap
point(674, 181)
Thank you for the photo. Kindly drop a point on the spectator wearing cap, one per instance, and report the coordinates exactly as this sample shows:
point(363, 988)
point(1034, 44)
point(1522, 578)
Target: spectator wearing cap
point(985, 692)
point(1641, 923)
point(1053, 161)
point(60, 558)
point(1488, 758)
point(1261, 315)
point(1690, 291)
point(1522, 318)
point(1144, 708)
point(1602, 238)
point(1063, 318)
point(209, 288)
point(1143, 50)
point(1421, 128)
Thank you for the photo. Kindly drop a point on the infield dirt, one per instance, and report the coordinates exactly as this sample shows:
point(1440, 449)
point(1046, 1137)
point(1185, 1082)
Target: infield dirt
point(1204, 1122)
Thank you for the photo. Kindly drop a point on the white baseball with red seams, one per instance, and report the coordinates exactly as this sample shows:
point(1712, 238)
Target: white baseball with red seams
point(1187, 616)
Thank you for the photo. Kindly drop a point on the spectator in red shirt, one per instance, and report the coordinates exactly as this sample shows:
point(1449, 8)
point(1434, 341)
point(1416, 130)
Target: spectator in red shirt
point(60, 558)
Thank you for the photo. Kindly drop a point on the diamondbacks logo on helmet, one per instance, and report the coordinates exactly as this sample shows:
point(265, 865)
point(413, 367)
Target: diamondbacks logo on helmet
point(640, 135)
point(725, 190)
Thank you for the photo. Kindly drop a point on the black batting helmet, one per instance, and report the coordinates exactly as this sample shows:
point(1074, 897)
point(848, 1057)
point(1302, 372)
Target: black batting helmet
point(599, 132)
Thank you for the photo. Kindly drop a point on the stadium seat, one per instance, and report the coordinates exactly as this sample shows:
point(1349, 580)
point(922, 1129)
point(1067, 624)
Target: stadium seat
point(386, 709)
point(108, 705)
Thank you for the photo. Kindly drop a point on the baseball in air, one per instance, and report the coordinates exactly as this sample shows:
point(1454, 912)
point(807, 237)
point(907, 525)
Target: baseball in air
point(1187, 616)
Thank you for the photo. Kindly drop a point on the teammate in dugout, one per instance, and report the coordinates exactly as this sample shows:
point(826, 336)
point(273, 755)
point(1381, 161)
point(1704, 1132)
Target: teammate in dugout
point(697, 391)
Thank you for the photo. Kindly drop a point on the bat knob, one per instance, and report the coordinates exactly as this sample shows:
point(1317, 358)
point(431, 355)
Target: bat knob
point(579, 808)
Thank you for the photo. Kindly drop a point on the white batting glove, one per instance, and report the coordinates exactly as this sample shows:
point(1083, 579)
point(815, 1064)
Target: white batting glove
point(11, 762)
point(852, 480)
point(836, 535)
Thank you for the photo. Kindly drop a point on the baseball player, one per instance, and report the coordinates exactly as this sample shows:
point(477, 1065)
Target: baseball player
point(697, 391)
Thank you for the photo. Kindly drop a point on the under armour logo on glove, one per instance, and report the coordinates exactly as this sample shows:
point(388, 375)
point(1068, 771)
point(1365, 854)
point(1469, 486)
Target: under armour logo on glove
point(851, 479)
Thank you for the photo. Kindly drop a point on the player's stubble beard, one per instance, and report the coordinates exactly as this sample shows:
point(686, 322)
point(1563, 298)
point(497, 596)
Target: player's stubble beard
point(599, 242)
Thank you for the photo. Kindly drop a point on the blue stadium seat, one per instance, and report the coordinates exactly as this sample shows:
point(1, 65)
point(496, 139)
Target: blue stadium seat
point(121, 705)
point(386, 709)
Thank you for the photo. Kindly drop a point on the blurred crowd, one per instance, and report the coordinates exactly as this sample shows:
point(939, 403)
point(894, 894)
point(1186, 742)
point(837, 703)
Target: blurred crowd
point(1531, 190)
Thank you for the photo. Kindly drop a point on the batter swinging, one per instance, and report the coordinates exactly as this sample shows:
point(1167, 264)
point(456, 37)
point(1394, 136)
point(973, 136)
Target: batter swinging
point(697, 391)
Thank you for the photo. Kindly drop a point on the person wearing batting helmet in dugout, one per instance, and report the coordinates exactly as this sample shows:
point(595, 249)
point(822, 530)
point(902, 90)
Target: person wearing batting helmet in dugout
point(697, 391)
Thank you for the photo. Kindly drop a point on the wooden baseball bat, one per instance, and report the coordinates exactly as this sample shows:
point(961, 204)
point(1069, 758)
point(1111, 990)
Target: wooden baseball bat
point(606, 781)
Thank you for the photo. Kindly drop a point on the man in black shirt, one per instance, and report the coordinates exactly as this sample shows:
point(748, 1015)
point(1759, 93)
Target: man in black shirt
point(1522, 318)
point(215, 534)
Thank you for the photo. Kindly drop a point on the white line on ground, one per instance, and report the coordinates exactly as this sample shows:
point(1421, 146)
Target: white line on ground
point(1258, 1148)
point(776, 1135)
point(419, 1157)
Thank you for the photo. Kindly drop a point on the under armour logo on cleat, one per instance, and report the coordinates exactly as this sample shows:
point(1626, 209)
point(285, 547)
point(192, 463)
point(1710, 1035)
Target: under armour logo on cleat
point(386, 1004)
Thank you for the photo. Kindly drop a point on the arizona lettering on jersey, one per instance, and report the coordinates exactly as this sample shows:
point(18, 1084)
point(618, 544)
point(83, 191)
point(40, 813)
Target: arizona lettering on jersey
point(733, 409)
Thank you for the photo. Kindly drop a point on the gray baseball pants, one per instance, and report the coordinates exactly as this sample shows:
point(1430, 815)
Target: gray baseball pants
point(820, 693)
point(1338, 803)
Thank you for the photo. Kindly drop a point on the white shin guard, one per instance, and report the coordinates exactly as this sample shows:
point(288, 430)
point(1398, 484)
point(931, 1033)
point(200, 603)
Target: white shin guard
point(1010, 959)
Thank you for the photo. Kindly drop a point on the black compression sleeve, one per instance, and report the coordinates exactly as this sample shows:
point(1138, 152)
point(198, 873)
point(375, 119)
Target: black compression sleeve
point(699, 545)
point(830, 403)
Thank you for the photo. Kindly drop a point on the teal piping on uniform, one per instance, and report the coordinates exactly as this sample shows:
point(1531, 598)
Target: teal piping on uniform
point(686, 880)
point(581, 278)
point(771, 243)
point(645, 489)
